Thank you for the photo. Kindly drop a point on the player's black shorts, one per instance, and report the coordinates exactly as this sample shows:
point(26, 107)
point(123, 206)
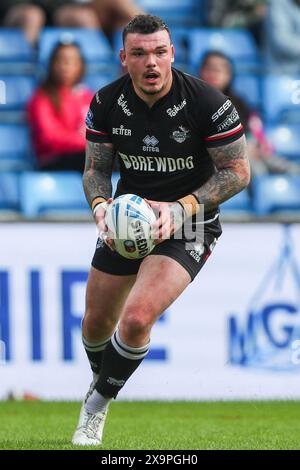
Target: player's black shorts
point(192, 258)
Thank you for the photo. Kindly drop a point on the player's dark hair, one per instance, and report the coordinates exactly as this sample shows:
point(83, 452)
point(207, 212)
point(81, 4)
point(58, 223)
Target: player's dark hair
point(145, 24)
point(50, 85)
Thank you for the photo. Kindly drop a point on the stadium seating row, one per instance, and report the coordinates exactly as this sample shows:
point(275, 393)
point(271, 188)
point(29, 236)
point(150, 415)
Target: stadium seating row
point(184, 12)
point(35, 194)
point(16, 152)
point(277, 97)
point(38, 194)
point(190, 44)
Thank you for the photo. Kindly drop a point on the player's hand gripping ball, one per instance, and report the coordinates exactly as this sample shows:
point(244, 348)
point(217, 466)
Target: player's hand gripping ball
point(129, 219)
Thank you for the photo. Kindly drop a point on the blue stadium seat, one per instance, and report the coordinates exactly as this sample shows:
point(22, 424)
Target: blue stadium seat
point(237, 44)
point(94, 45)
point(276, 193)
point(15, 148)
point(51, 194)
point(248, 86)
point(18, 90)
point(9, 193)
point(238, 205)
point(281, 98)
point(178, 12)
point(286, 140)
point(100, 80)
point(16, 54)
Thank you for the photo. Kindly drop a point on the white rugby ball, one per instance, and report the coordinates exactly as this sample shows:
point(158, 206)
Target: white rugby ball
point(129, 219)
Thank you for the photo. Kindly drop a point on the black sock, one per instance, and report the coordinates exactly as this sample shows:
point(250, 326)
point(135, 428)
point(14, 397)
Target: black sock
point(119, 363)
point(94, 353)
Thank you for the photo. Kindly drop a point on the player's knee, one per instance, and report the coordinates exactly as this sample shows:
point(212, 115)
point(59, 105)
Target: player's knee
point(136, 323)
point(94, 325)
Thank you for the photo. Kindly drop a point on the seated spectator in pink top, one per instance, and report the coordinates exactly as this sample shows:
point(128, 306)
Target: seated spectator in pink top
point(57, 110)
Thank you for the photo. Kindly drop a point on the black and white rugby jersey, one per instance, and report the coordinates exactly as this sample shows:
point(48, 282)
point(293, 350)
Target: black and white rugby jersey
point(162, 150)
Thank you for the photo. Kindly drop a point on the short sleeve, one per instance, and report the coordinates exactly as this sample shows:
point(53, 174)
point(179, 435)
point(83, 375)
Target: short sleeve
point(223, 124)
point(96, 120)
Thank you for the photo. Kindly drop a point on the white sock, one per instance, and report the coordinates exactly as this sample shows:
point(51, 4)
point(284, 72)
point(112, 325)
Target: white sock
point(96, 402)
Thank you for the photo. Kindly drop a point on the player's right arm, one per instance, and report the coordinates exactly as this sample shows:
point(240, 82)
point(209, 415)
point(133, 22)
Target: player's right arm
point(97, 182)
point(97, 172)
point(98, 162)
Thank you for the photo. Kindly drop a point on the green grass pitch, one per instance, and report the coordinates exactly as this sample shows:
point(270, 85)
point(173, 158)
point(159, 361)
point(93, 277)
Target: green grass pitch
point(157, 425)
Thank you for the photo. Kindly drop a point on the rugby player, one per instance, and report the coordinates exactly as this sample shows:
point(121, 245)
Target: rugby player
point(180, 145)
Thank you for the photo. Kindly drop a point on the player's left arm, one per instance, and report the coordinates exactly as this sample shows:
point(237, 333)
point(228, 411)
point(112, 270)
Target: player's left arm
point(231, 177)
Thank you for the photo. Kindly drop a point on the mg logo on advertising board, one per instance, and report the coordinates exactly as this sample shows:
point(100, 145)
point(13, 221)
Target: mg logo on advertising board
point(268, 334)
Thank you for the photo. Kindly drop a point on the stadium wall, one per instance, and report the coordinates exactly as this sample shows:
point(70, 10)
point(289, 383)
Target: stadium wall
point(234, 333)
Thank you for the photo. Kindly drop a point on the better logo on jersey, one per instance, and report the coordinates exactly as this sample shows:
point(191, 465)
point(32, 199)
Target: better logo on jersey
point(180, 134)
point(121, 130)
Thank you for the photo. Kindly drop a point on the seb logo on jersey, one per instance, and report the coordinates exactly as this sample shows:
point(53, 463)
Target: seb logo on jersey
point(221, 111)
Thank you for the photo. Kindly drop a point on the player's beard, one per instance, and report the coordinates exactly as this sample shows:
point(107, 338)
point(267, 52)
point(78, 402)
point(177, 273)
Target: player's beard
point(152, 92)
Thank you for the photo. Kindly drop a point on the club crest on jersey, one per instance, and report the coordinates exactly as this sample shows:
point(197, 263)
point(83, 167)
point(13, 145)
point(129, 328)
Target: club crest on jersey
point(180, 135)
point(150, 144)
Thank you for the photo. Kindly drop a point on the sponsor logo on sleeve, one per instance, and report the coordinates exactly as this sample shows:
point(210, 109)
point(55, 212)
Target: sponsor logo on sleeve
point(221, 111)
point(229, 120)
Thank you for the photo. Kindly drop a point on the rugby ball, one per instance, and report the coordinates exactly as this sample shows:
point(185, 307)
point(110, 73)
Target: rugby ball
point(129, 219)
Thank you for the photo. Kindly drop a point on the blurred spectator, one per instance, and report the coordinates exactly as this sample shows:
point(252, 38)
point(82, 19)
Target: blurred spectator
point(56, 112)
point(217, 70)
point(24, 15)
point(115, 14)
point(32, 16)
point(282, 35)
point(248, 14)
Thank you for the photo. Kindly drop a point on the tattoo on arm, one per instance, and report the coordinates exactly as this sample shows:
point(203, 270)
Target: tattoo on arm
point(232, 174)
point(98, 170)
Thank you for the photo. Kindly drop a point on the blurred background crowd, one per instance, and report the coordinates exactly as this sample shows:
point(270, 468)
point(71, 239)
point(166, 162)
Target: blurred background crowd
point(54, 55)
